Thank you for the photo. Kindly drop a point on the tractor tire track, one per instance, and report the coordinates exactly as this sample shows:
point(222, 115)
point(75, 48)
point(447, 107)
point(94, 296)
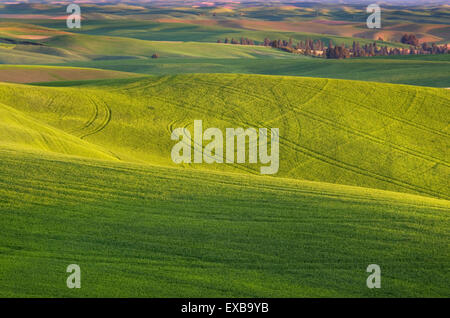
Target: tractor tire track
point(90, 121)
point(374, 139)
point(388, 115)
point(107, 115)
point(329, 160)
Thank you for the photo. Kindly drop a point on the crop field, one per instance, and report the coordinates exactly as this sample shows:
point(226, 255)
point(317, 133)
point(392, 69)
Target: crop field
point(34, 74)
point(128, 54)
point(210, 23)
point(412, 70)
point(142, 231)
point(78, 47)
point(314, 115)
point(87, 176)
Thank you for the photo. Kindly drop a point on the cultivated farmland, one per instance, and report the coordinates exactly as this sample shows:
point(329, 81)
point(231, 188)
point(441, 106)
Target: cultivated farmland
point(87, 177)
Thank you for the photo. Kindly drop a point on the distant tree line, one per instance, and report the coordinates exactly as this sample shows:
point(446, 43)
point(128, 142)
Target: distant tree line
point(373, 49)
point(318, 48)
point(241, 41)
point(308, 47)
point(410, 39)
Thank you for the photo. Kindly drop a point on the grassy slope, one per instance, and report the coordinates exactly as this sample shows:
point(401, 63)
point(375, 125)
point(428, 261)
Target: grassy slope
point(20, 131)
point(140, 230)
point(67, 48)
point(154, 232)
point(117, 46)
point(366, 134)
point(63, 46)
point(412, 70)
point(33, 74)
point(17, 56)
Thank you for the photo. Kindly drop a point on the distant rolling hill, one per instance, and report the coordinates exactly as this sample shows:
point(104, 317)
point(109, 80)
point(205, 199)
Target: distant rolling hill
point(428, 70)
point(26, 44)
point(33, 74)
point(22, 47)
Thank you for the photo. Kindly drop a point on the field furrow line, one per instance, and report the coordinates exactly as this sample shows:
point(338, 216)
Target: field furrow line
point(377, 140)
point(351, 167)
point(322, 157)
point(388, 115)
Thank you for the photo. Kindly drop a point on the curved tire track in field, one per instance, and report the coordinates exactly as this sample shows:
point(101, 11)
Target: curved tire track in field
point(320, 91)
point(202, 111)
point(406, 150)
point(139, 85)
point(89, 122)
point(388, 115)
point(325, 158)
point(99, 119)
point(192, 145)
point(103, 122)
point(374, 139)
point(360, 133)
point(356, 169)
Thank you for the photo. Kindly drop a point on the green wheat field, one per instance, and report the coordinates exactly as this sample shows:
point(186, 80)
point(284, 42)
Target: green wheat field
point(86, 175)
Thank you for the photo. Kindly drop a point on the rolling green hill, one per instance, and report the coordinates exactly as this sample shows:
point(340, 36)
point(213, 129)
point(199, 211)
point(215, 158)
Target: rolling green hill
point(207, 31)
point(104, 46)
point(58, 47)
point(143, 231)
point(25, 133)
point(86, 175)
point(87, 179)
point(412, 70)
point(67, 48)
point(365, 134)
point(33, 74)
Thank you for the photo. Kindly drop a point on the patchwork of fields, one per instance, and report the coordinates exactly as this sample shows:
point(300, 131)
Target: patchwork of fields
point(86, 175)
point(428, 71)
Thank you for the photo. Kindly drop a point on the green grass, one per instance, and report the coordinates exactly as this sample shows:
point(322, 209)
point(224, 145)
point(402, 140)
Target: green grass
point(17, 56)
point(86, 175)
point(80, 47)
point(412, 70)
point(116, 46)
point(87, 48)
point(23, 132)
point(38, 73)
point(186, 32)
point(142, 231)
point(133, 55)
point(365, 134)
point(86, 178)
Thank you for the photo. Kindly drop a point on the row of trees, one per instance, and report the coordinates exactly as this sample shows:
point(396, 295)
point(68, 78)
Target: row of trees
point(319, 49)
point(241, 41)
point(373, 49)
point(309, 46)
